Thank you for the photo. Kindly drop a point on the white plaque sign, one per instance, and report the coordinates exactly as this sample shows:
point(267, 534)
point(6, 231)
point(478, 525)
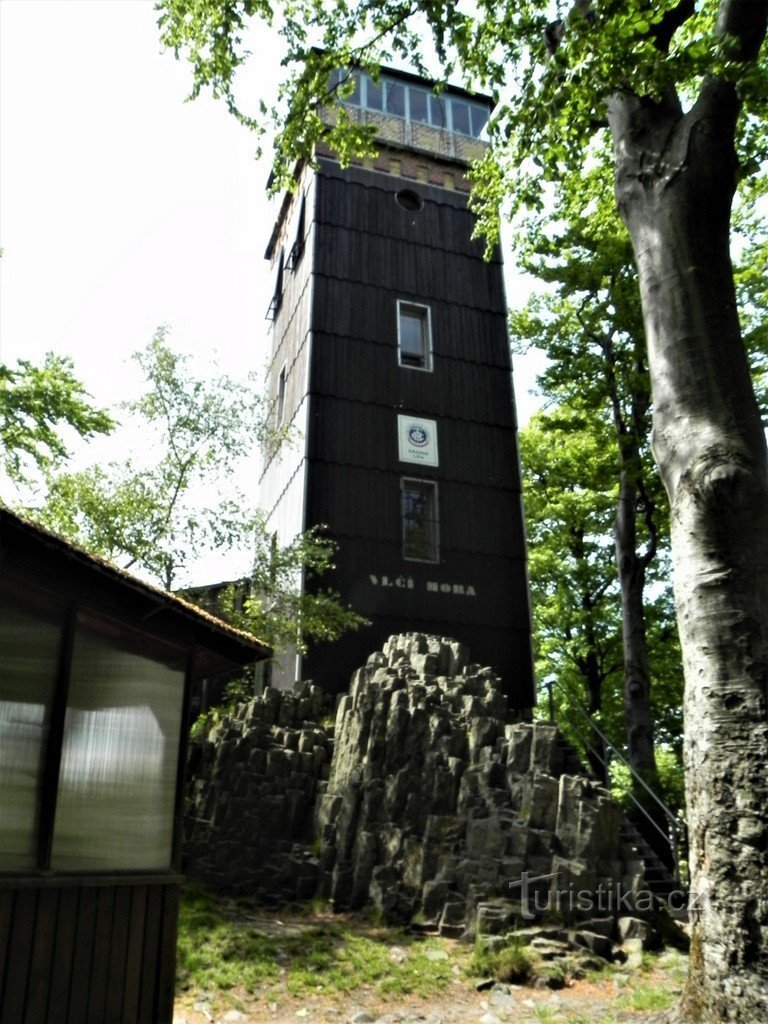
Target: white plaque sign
point(417, 440)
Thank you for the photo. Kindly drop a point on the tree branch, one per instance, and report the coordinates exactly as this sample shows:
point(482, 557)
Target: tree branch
point(746, 22)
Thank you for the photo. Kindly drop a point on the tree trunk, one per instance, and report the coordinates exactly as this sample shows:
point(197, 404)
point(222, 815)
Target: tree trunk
point(675, 178)
point(638, 714)
point(637, 671)
point(593, 682)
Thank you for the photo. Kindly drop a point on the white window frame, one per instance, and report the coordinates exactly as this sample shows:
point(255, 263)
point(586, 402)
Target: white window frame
point(404, 304)
point(424, 485)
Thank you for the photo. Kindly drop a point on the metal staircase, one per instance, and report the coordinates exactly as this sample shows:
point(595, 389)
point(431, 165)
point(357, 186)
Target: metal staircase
point(662, 879)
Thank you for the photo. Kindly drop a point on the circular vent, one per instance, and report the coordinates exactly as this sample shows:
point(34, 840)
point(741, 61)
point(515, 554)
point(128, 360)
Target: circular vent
point(408, 199)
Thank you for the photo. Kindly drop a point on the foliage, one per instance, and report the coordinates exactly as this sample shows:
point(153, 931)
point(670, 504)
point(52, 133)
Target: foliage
point(37, 405)
point(273, 603)
point(569, 484)
point(671, 780)
point(237, 691)
point(552, 66)
point(145, 511)
point(161, 508)
point(586, 318)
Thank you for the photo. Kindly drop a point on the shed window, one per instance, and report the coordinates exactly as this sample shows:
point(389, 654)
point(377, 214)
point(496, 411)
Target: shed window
point(117, 783)
point(90, 730)
point(27, 686)
point(414, 334)
point(420, 520)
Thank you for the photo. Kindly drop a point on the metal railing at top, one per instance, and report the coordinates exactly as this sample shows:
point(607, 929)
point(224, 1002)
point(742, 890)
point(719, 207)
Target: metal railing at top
point(673, 839)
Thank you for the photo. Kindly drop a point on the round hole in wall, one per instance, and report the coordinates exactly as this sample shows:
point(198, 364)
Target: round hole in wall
point(408, 199)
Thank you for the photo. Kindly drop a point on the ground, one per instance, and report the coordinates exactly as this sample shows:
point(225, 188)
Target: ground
point(239, 964)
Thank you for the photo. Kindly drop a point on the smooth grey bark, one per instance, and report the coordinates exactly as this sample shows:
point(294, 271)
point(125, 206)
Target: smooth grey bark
point(675, 180)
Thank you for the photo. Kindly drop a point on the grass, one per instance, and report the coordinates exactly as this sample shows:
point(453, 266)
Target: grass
point(509, 964)
point(219, 950)
point(234, 957)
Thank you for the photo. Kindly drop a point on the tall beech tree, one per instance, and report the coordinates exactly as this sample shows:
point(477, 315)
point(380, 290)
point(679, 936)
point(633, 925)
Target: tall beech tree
point(569, 490)
point(680, 87)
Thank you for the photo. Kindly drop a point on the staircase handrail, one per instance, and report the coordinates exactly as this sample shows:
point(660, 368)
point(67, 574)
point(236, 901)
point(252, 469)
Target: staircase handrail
point(673, 838)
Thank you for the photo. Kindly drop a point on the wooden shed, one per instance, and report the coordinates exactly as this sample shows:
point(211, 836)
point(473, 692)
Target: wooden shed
point(95, 675)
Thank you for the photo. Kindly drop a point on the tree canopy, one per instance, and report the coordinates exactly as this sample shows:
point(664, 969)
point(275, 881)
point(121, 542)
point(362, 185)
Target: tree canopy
point(174, 495)
point(39, 405)
point(554, 68)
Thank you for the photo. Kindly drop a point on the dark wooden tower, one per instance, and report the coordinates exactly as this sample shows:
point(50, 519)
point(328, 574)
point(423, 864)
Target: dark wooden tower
point(390, 356)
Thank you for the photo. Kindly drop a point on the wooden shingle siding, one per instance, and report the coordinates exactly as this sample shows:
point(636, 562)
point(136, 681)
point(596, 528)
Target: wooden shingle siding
point(361, 201)
point(375, 512)
point(352, 434)
point(367, 253)
point(455, 388)
point(406, 267)
point(367, 313)
point(88, 954)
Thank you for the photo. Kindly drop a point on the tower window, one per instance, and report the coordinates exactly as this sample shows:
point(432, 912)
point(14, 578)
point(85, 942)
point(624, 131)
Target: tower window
point(420, 523)
point(280, 413)
point(408, 199)
point(415, 103)
point(298, 245)
point(277, 297)
point(414, 336)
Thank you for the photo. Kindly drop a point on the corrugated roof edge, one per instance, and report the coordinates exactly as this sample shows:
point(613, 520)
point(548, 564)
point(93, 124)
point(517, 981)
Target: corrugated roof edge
point(121, 576)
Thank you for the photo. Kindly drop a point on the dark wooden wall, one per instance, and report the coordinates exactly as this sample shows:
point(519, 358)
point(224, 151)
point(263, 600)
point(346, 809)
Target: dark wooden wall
point(369, 252)
point(88, 953)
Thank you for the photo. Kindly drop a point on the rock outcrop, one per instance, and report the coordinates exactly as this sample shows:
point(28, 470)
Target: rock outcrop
point(251, 795)
point(442, 806)
point(430, 798)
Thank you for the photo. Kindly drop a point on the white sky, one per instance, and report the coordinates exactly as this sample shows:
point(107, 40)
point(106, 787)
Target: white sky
point(121, 206)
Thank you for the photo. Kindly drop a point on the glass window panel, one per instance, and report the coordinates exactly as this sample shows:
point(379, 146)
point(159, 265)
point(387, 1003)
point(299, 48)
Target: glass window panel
point(395, 98)
point(374, 95)
point(460, 115)
point(29, 652)
point(354, 96)
point(437, 113)
point(419, 110)
point(341, 80)
point(117, 784)
point(413, 335)
point(420, 539)
point(479, 118)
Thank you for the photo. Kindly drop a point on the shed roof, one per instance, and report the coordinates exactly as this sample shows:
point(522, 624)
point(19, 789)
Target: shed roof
point(60, 566)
